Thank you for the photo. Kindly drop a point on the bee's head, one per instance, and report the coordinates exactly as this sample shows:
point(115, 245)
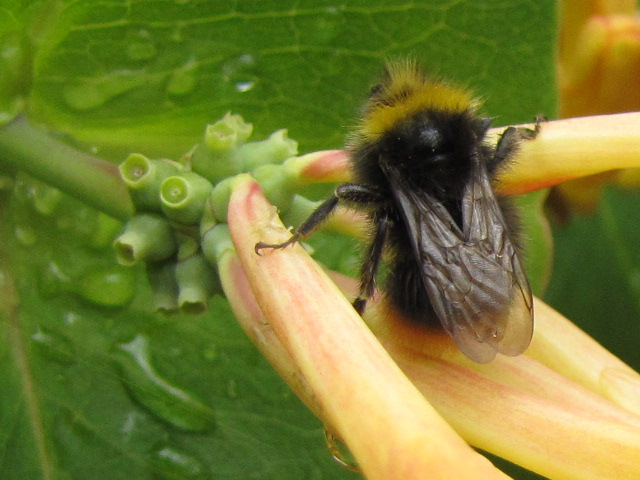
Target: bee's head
point(404, 91)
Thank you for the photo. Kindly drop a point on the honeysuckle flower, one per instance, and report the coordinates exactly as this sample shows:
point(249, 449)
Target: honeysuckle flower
point(405, 400)
point(598, 64)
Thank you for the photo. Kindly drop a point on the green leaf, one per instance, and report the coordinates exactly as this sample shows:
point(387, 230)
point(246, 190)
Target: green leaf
point(596, 276)
point(147, 76)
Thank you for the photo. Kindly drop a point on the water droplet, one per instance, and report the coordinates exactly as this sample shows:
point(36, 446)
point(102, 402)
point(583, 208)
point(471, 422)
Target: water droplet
point(245, 86)
point(70, 318)
point(130, 423)
point(171, 462)
point(53, 280)
point(325, 28)
point(184, 79)
point(95, 92)
point(141, 51)
point(238, 64)
point(45, 198)
point(161, 398)
point(26, 235)
point(53, 346)
point(339, 451)
point(110, 286)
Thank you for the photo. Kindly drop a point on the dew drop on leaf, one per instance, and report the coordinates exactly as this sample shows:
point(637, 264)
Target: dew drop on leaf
point(95, 92)
point(53, 346)
point(171, 462)
point(141, 51)
point(111, 286)
point(245, 86)
point(25, 235)
point(237, 65)
point(53, 280)
point(161, 398)
point(183, 80)
point(84, 96)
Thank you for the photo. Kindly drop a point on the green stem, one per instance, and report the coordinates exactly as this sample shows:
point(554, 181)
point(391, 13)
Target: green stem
point(90, 179)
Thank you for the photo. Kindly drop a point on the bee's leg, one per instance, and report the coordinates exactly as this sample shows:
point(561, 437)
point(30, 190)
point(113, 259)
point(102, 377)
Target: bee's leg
point(510, 139)
point(371, 263)
point(347, 192)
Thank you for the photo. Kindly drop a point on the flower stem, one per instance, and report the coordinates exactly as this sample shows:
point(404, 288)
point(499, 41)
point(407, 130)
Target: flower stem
point(88, 178)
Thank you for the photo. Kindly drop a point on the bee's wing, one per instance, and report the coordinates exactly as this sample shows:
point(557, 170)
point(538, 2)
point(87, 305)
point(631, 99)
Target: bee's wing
point(473, 275)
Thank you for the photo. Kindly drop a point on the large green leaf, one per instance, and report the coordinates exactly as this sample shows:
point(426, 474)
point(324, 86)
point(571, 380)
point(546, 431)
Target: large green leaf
point(148, 74)
point(93, 384)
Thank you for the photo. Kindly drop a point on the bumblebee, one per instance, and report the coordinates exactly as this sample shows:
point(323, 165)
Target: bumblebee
point(422, 171)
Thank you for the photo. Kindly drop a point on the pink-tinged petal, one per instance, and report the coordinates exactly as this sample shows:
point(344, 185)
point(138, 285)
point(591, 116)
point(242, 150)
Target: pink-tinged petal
point(323, 166)
point(565, 348)
point(519, 408)
point(388, 425)
point(245, 307)
point(555, 439)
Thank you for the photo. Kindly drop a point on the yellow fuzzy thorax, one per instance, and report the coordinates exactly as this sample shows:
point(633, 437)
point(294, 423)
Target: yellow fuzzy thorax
point(405, 91)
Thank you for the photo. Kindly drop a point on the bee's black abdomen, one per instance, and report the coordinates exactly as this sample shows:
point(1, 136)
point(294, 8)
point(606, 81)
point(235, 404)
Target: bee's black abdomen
point(405, 292)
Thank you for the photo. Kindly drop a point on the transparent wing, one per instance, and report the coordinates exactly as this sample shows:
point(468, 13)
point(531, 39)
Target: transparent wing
point(473, 276)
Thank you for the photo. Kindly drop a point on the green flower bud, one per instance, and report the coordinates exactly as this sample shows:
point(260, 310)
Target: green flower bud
point(215, 165)
point(299, 210)
point(162, 278)
point(146, 238)
point(220, 199)
point(183, 197)
point(215, 242)
point(187, 247)
point(229, 132)
point(277, 148)
point(278, 184)
point(217, 156)
point(143, 177)
point(208, 220)
point(197, 282)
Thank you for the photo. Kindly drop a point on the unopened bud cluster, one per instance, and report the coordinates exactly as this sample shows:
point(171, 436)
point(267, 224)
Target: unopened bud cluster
point(180, 228)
